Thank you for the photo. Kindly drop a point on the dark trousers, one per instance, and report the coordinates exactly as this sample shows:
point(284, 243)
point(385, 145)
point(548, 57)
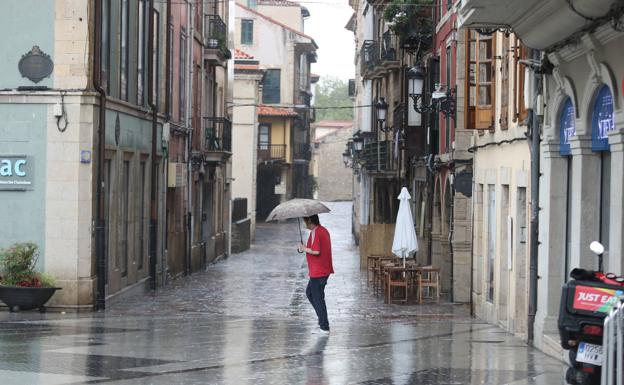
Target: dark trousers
point(316, 295)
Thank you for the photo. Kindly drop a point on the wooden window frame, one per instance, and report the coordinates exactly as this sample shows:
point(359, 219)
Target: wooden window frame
point(480, 116)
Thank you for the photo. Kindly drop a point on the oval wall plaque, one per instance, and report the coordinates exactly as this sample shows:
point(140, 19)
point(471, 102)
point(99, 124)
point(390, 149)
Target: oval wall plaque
point(35, 65)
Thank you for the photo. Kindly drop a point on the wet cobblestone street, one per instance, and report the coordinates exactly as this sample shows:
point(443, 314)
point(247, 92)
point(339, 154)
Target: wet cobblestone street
point(246, 321)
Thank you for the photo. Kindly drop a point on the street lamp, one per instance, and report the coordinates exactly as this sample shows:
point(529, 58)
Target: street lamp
point(444, 101)
point(416, 82)
point(345, 158)
point(358, 142)
point(382, 112)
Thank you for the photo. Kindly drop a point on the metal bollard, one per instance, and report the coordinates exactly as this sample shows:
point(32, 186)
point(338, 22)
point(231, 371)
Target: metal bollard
point(613, 344)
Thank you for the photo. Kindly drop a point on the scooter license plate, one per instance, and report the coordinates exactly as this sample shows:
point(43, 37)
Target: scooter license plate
point(589, 354)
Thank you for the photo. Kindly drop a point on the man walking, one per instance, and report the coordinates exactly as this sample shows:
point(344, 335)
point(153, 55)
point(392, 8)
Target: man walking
point(319, 257)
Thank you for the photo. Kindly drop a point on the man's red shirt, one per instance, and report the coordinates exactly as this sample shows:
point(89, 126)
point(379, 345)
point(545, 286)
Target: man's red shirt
point(320, 265)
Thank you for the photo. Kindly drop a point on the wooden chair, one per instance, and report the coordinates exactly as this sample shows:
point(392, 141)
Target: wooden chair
point(430, 280)
point(371, 262)
point(378, 273)
point(396, 278)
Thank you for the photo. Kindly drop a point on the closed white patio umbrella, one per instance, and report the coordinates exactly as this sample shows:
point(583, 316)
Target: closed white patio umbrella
point(405, 242)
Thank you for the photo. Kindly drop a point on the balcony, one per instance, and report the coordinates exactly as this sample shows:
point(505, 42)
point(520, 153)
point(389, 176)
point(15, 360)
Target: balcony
point(216, 36)
point(378, 156)
point(369, 55)
point(218, 135)
point(389, 50)
point(539, 23)
point(271, 152)
point(302, 152)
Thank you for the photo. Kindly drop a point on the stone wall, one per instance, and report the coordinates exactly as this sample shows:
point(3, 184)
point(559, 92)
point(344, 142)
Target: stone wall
point(335, 181)
point(241, 236)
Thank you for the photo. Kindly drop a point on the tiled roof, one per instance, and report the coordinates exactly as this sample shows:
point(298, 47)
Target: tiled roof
point(275, 111)
point(277, 23)
point(283, 3)
point(247, 67)
point(238, 54)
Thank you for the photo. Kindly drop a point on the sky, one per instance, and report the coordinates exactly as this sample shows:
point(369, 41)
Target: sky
point(336, 44)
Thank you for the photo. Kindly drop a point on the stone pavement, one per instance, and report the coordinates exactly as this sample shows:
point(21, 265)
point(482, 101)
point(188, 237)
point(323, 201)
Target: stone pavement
point(246, 321)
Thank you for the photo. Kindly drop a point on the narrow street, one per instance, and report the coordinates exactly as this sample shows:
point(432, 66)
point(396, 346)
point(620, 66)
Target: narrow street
point(247, 321)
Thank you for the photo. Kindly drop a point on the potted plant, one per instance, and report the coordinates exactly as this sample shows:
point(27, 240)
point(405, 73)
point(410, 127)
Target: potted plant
point(21, 286)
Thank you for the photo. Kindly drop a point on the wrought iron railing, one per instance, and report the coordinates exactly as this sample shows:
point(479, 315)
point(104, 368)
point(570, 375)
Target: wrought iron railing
point(218, 132)
point(377, 156)
point(271, 152)
point(302, 151)
point(216, 33)
point(389, 46)
point(369, 54)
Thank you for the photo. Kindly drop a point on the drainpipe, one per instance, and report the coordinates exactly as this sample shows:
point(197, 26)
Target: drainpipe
point(535, 172)
point(100, 224)
point(451, 230)
point(168, 96)
point(189, 138)
point(154, 164)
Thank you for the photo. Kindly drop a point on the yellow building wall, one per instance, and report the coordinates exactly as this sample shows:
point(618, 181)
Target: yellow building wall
point(280, 133)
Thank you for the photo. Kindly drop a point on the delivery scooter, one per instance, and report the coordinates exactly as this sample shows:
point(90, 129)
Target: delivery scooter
point(585, 301)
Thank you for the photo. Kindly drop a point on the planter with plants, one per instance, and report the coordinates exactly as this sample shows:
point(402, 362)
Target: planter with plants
point(21, 286)
point(411, 21)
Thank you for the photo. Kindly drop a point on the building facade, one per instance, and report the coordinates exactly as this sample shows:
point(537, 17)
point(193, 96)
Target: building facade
point(577, 75)
point(97, 145)
point(284, 110)
point(393, 140)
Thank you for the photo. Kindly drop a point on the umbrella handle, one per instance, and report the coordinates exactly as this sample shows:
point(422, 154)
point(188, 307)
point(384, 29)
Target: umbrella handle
point(300, 235)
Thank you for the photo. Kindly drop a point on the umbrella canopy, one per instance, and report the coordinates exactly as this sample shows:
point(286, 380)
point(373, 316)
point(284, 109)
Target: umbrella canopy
point(404, 242)
point(297, 208)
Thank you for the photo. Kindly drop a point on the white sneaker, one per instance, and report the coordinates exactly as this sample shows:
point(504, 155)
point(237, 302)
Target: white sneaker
point(320, 332)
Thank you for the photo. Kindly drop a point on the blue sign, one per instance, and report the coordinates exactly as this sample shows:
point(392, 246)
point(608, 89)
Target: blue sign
point(602, 119)
point(16, 172)
point(567, 126)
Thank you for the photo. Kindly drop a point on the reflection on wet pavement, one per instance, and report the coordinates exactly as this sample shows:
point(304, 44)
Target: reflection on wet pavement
point(247, 321)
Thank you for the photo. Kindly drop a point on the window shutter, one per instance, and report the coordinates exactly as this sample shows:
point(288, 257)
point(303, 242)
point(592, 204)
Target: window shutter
point(485, 80)
point(522, 112)
point(504, 115)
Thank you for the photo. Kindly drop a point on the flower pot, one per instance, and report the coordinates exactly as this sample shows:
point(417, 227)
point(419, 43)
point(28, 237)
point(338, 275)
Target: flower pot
point(26, 298)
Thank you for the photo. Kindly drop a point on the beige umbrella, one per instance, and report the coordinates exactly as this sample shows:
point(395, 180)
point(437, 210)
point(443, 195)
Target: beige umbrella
point(297, 208)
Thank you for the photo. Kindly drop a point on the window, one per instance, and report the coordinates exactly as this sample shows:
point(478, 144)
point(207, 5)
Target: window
point(155, 58)
point(141, 54)
point(271, 89)
point(247, 31)
point(449, 4)
point(481, 81)
point(125, 45)
point(125, 217)
point(105, 54)
point(303, 72)
point(182, 77)
point(491, 234)
point(447, 122)
point(253, 4)
point(264, 136)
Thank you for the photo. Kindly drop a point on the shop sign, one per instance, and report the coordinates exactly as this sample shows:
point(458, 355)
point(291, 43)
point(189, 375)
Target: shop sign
point(567, 127)
point(602, 120)
point(16, 172)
